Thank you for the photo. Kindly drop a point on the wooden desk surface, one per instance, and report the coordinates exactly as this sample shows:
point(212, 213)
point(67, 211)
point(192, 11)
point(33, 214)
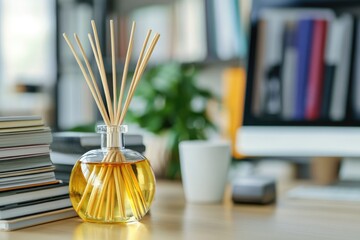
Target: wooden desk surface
point(172, 218)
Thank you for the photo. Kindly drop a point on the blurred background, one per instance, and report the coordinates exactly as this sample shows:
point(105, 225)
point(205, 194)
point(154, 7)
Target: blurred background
point(193, 87)
point(40, 76)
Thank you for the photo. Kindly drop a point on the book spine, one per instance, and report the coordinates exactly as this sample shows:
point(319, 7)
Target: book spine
point(342, 74)
point(257, 95)
point(316, 70)
point(304, 47)
point(273, 59)
point(331, 61)
point(210, 29)
point(288, 71)
point(356, 77)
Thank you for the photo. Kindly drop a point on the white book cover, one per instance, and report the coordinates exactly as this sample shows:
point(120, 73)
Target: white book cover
point(159, 18)
point(190, 41)
point(342, 72)
point(288, 74)
point(227, 46)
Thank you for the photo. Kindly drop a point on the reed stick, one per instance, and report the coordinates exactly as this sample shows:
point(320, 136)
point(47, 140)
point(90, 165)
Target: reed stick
point(126, 66)
point(113, 64)
point(103, 75)
point(119, 196)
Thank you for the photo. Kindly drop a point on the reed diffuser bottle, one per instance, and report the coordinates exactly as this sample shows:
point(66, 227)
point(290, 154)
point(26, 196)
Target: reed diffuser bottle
point(112, 184)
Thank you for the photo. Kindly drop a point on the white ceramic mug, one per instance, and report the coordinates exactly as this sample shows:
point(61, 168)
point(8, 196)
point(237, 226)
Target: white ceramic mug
point(204, 169)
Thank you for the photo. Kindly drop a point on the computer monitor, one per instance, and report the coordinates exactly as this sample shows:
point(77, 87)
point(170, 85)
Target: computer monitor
point(303, 79)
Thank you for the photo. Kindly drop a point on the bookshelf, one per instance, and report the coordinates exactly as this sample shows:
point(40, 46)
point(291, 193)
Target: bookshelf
point(191, 33)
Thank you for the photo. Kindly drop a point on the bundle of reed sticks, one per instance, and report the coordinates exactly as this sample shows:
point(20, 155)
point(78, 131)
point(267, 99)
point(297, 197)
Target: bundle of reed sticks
point(115, 182)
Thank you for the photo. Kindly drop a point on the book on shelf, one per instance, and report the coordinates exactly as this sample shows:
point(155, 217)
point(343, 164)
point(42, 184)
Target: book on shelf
point(316, 70)
point(191, 30)
point(332, 53)
point(190, 42)
point(356, 77)
point(304, 34)
point(234, 84)
point(36, 219)
point(161, 18)
point(33, 193)
point(288, 71)
point(20, 121)
point(229, 39)
point(37, 206)
point(270, 102)
point(342, 75)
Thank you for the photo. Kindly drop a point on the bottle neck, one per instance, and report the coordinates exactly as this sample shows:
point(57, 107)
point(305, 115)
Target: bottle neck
point(113, 137)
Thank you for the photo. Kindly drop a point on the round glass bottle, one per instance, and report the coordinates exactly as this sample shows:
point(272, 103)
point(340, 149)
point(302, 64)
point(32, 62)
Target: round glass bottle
point(112, 184)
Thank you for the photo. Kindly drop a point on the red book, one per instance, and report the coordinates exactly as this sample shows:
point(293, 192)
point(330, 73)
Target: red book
point(316, 70)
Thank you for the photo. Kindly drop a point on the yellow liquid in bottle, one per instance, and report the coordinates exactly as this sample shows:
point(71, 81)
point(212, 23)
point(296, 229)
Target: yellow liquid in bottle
point(112, 192)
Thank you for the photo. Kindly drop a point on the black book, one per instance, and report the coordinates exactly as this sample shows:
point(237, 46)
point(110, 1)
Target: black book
point(328, 87)
point(80, 143)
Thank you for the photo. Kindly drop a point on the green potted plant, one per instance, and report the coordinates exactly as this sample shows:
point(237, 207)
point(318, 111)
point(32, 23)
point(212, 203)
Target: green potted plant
point(169, 103)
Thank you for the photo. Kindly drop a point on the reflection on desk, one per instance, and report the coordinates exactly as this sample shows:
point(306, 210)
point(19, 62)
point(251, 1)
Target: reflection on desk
point(85, 231)
point(172, 218)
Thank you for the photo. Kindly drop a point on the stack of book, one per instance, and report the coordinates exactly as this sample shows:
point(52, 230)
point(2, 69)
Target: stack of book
point(29, 191)
point(68, 147)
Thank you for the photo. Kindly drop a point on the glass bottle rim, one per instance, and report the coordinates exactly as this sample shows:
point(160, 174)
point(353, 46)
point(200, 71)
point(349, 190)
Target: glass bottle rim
point(102, 128)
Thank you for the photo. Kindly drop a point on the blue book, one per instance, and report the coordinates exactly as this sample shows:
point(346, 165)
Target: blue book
point(304, 34)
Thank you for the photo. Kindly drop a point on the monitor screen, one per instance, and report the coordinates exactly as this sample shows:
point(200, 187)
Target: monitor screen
point(303, 79)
